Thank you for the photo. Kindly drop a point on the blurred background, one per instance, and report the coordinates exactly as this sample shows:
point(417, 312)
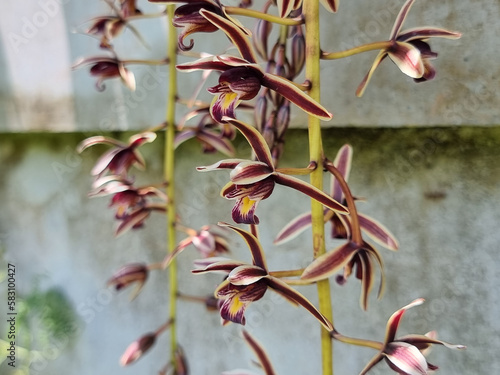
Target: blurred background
point(425, 158)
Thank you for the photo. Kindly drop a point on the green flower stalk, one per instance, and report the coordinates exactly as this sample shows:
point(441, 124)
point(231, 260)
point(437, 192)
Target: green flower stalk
point(311, 13)
point(169, 176)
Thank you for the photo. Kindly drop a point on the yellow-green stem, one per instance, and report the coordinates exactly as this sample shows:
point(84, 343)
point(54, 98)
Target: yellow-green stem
point(169, 175)
point(356, 50)
point(263, 16)
point(311, 12)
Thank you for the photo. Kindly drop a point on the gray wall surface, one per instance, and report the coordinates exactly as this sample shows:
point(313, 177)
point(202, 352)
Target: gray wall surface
point(38, 91)
point(436, 189)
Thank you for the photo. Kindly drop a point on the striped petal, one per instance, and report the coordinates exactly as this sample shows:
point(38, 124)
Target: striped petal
point(139, 139)
point(285, 7)
point(255, 139)
point(221, 63)
point(327, 264)
point(400, 19)
point(342, 162)
point(216, 264)
point(378, 232)
point(422, 342)
point(419, 33)
point(133, 220)
point(330, 5)
point(258, 257)
point(213, 139)
point(249, 172)
point(246, 275)
point(311, 191)
point(408, 59)
point(234, 32)
point(406, 358)
point(293, 228)
point(394, 320)
point(291, 92)
point(222, 164)
point(224, 105)
point(294, 296)
point(259, 351)
point(243, 211)
point(92, 141)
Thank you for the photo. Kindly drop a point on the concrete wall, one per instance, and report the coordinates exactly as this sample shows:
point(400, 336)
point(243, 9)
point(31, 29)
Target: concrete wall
point(39, 92)
point(436, 189)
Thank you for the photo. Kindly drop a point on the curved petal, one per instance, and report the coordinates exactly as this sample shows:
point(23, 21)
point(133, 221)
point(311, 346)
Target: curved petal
point(139, 139)
point(311, 191)
point(222, 145)
point(400, 19)
point(393, 322)
point(224, 105)
point(287, 291)
point(293, 228)
point(249, 172)
point(406, 358)
point(183, 136)
point(408, 59)
point(378, 232)
point(246, 275)
point(423, 341)
point(253, 243)
point(291, 92)
point(327, 264)
point(132, 220)
point(88, 142)
point(285, 7)
point(216, 264)
point(362, 86)
point(418, 33)
point(220, 63)
point(259, 352)
point(330, 5)
point(372, 363)
point(255, 139)
point(342, 162)
point(222, 164)
point(234, 32)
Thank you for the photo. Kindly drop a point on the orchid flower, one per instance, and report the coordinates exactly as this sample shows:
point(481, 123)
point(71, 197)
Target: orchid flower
point(405, 355)
point(104, 67)
point(409, 49)
point(134, 273)
point(242, 78)
point(253, 181)
point(246, 283)
point(120, 158)
point(340, 224)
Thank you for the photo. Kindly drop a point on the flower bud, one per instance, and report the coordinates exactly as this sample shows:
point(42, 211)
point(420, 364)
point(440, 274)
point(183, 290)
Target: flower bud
point(298, 52)
point(261, 34)
point(137, 349)
point(260, 112)
point(130, 274)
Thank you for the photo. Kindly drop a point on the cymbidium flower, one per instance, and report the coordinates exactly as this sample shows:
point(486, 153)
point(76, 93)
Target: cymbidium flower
point(134, 273)
point(133, 204)
point(246, 283)
point(104, 67)
point(405, 355)
point(120, 158)
point(409, 49)
point(142, 345)
point(260, 352)
point(242, 78)
point(252, 181)
point(340, 224)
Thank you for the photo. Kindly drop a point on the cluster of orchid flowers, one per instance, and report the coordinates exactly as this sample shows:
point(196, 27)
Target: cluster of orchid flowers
point(271, 93)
